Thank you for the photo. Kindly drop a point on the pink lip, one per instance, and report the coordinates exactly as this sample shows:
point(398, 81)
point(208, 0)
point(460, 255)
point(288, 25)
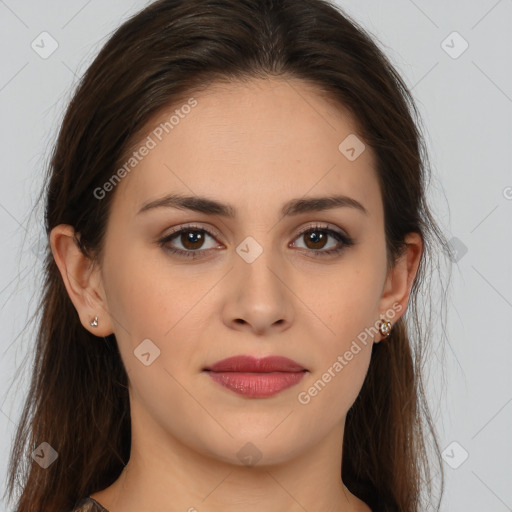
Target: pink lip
point(255, 365)
point(256, 378)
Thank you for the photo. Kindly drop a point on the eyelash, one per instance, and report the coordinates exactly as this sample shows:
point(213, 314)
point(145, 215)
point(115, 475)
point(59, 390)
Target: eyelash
point(194, 254)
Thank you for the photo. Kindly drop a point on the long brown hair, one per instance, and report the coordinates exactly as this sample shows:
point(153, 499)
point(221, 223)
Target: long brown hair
point(78, 396)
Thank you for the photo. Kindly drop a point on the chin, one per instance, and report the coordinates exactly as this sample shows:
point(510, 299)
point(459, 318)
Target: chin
point(256, 448)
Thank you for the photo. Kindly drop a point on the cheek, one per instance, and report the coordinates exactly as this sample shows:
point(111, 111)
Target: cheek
point(149, 302)
point(331, 391)
point(160, 395)
point(343, 354)
point(347, 300)
point(142, 299)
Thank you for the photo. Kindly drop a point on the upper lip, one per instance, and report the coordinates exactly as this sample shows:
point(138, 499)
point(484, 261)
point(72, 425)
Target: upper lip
point(252, 364)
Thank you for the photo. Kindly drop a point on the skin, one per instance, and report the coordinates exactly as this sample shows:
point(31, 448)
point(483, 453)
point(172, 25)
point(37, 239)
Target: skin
point(255, 146)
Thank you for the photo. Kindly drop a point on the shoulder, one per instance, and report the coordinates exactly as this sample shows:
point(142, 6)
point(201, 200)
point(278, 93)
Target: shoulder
point(88, 504)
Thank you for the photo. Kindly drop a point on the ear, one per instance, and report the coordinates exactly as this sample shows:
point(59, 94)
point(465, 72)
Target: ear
point(397, 288)
point(82, 280)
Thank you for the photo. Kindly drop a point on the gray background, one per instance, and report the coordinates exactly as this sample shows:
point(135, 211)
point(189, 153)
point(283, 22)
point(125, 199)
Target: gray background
point(466, 104)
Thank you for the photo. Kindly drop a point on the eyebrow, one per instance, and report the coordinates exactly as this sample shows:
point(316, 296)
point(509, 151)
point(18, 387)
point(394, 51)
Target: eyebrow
point(290, 208)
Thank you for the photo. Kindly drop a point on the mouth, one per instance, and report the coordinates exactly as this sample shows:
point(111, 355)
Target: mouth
point(256, 378)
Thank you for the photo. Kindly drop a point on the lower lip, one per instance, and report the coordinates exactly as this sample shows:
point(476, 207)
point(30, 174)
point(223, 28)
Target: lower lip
point(257, 385)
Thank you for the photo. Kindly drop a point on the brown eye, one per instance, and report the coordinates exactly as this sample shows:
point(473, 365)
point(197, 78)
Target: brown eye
point(192, 239)
point(316, 239)
point(188, 242)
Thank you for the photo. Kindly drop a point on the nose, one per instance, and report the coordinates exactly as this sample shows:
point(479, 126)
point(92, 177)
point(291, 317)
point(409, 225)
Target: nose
point(260, 296)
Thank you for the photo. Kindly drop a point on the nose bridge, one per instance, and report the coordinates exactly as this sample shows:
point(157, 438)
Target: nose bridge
point(260, 296)
point(259, 263)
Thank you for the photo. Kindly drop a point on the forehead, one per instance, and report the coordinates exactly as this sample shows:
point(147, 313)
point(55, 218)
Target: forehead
point(249, 142)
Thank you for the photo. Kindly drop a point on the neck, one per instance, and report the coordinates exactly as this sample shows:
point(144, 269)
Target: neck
point(165, 474)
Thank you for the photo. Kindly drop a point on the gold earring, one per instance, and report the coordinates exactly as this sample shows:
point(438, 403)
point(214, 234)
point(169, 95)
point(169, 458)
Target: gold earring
point(385, 328)
point(94, 323)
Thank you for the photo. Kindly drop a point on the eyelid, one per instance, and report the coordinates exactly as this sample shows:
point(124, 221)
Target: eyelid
point(213, 232)
point(209, 230)
point(322, 225)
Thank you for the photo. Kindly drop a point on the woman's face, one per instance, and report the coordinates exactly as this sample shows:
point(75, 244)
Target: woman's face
point(248, 283)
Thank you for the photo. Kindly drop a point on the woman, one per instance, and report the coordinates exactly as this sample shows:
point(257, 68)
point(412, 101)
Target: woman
point(237, 219)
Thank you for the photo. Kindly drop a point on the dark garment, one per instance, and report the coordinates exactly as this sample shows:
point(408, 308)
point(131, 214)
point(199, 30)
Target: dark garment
point(91, 505)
